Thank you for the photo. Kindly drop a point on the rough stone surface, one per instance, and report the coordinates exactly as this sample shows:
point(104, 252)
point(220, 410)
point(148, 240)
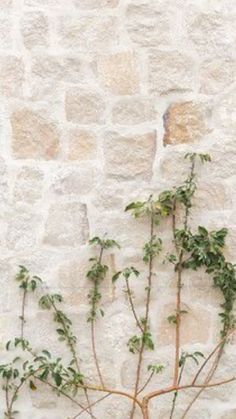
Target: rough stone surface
point(91, 32)
point(100, 100)
point(133, 111)
point(84, 107)
point(35, 30)
point(170, 71)
point(33, 136)
point(118, 73)
point(66, 224)
point(184, 123)
point(82, 145)
point(129, 157)
point(11, 75)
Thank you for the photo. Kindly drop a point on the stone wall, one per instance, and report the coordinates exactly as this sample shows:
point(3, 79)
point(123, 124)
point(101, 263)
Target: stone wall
point(100, 100)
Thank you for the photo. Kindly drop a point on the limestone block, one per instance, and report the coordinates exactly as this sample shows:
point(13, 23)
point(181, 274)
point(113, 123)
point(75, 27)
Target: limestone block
point(185, 123)
point(34, 29)
point(170, 71)
point(132, 111)
point(131, 156)
point(148, 23)
point(82, 145)
point(88, 32)
point(119, 73)
point(33, 136)
point(84, 107)
point(66, 224)
point(11, 75)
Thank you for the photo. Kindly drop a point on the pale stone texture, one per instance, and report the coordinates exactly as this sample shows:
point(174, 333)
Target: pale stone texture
point(84, 88)
point(129, 156)
point(11, 75)
point(66, 224)
point(171, 71)
point(82, 145)
point(148, 23)
point(35, 30)
point(95, 4)
point(84, 107)
point(66, 68)
point(132, 111)
point(217, 74)
point(185, 123)
point(213, 32)
point(28, 185)
point(119, 73)
point(89, 32)
point(33, 136)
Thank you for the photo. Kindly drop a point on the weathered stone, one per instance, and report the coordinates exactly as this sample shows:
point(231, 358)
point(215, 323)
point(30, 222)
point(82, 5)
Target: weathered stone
point(185, 123)
point(228, 414)
point(129, 156)
point(217, 74)
point(196, 324)
point(5, 32)
point(57, 67)
point(28, 185)
point(22, 227)
point(213, 32)
point(51, 4)
point(96, 4)
point(84, 107)
point(132, 111)
point(225, 114)
point(88, 32)
point(119, 73)
point(74, 181)
point(148, 22)
point(5, 3)
point(33, 136)
point(170, 71)
point(11, 75)
point(82, 145)
point(34, 28)
point(66, 224)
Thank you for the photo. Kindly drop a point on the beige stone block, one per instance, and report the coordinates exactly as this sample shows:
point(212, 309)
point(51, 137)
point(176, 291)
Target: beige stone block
point(33, 136)
point(82, 145)
point(84, 107)
point(216, 74)
point(185, 123)
point(5, 3)
point(28, 185)
point(34, 29)
point(171, 71)
point(119, 73)
point(5, 32)
point(57, 67)
point(22, 229)
point(11, 75)
point(212, 33)
point(132, 111)
point(130, 156)
point(66, 224)
point(195, 328)
point(148, 22)
point(73, 180)
point(96, 4)
point(225, 116)
point(228, 414)
point(88, 32)
point(47, 4)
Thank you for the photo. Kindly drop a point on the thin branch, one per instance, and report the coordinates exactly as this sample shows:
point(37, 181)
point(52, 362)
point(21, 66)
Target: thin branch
point(129, 292)
point(92, 404)
point(146, 383)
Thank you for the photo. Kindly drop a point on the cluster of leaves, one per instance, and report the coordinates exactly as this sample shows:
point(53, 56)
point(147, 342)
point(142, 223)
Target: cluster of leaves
point(97, 274)
point(25, 281)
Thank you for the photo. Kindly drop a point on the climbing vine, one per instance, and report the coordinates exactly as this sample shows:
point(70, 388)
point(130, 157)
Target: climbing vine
point(189, 250)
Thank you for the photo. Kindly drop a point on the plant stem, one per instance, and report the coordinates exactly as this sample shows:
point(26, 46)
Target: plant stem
point(22, 317)
point(93, 338)
point(146, 318)
point(129, 292)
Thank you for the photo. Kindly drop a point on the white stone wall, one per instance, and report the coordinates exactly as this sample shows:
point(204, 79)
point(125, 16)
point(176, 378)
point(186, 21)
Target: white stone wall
point(100, 100)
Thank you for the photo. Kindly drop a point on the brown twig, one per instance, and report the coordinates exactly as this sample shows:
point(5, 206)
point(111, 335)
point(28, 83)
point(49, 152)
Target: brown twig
point(129, 292)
